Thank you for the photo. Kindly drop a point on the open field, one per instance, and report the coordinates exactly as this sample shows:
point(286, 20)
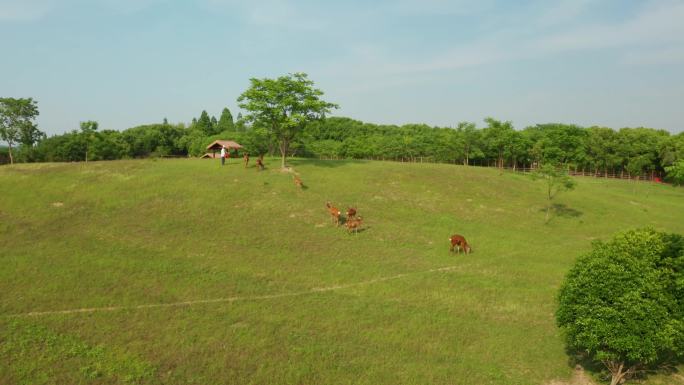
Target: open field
point(282, 296)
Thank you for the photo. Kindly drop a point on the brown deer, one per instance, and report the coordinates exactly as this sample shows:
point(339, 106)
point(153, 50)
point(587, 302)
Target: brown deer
point(260, 163)
point(246, 158)
point(351, 213)
point(353, 224)
point(459, 243)
point(334, 213)
point(298, 182)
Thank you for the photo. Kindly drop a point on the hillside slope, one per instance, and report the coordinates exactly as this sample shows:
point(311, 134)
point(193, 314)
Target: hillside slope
point(255, 252)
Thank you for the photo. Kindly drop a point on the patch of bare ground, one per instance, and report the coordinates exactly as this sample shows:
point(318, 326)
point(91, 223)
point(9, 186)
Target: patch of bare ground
point(578, 378)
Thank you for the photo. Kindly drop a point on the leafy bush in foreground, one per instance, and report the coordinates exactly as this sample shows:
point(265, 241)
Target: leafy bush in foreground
point(622, 304)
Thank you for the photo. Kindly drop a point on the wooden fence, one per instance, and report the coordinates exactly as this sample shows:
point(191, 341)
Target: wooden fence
point(656, 177)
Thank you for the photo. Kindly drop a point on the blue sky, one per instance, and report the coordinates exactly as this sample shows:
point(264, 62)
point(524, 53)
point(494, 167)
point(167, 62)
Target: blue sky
point(129, 62)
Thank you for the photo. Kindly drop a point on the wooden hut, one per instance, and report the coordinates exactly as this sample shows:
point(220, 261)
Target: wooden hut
point(216, 146)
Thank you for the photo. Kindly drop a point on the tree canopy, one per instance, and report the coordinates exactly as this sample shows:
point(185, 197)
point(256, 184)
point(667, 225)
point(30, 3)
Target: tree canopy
point(225, 122)
point(622, 304)
point(284, 106)
point(16, 122)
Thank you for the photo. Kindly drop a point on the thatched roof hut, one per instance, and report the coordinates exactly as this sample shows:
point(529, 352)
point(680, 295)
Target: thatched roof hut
point(218, 144)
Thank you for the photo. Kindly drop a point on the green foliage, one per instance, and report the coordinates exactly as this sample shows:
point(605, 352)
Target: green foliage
point(622, 303)
point(638, 148)
point(4, 155)
point(496, 138)
point(16, 122)
point(671, 149)
point(291, 110)
point(675, 173)
point(556, 180)
point(225, 122)
point(256, 141)
point(88, 129)
point(284, 106)
point(204, 124)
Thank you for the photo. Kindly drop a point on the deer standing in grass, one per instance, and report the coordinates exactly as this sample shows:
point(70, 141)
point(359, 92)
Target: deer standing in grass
point(334, 213)
point(353, 224)
point(459, 243)
point(298, 182)
point(351, 213)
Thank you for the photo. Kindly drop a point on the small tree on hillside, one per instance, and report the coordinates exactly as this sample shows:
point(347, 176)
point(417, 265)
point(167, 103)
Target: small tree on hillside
point(622, 304)
point(16, 122)
point(556, 180)
point(284, 105)
point(88, 129)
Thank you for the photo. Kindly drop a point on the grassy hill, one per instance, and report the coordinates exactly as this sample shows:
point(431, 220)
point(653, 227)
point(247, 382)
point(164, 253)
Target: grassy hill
point(282, 296)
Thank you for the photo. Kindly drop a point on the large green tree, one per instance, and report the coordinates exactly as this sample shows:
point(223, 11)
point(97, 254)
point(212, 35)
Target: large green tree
point(16, 122)
point(284, 106)
point(622, 304)
point(470, 140)
point(225, 122)
point(204, 124)
point(497, 137)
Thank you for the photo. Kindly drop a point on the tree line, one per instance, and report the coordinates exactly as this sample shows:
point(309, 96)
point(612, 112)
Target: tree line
point(594, 149)
point(632, 151)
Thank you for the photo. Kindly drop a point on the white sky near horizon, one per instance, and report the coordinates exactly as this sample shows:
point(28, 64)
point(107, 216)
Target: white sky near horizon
point(130, 62)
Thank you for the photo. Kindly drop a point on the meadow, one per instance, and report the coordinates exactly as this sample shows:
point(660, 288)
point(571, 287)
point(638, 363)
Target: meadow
point(192, 273)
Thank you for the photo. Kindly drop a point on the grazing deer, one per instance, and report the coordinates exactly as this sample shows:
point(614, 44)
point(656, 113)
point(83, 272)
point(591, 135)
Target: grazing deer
point(260, 163)
point(246, 158)
point(353, 224)
point(298, 182)
point(351, 213)
point(334, 213)
point(459, 243)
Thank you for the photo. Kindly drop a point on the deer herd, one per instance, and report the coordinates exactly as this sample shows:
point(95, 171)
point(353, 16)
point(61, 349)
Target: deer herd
point(353, 222)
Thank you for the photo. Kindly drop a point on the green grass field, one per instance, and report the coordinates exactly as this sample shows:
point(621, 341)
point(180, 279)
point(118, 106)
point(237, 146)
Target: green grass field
point(129, 233)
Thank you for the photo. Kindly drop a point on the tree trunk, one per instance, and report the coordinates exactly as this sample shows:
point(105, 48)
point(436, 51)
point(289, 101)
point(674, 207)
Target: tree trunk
point(548, 207)
point(618, 371)
point(283, 151)
point(10, 152)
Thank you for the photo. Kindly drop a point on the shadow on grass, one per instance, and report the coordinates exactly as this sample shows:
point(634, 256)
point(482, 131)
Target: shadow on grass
point(359, 230)
point(562, 211)
point(665, 367)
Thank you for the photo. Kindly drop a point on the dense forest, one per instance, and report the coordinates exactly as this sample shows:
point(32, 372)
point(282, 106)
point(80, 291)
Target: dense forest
point(632, 151)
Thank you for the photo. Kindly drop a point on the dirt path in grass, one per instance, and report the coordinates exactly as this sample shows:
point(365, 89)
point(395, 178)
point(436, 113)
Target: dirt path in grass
point(234, 299)
point(578, 378)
